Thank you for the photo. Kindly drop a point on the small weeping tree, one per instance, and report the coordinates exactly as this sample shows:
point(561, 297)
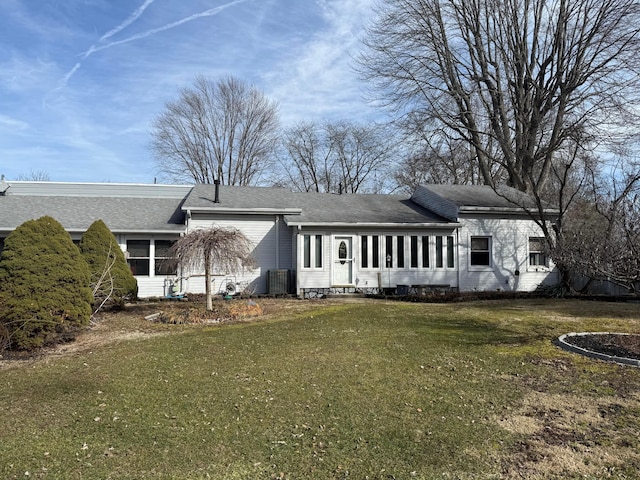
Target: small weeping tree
point(226, 249)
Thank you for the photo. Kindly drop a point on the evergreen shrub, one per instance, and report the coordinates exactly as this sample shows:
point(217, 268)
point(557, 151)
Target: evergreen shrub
point(108, 266)
point(44, 285)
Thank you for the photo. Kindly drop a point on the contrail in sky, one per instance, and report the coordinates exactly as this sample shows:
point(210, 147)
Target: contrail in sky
point(132, 18)
point(168, 26)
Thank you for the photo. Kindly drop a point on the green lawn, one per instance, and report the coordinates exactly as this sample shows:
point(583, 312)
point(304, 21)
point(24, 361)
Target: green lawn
point(359, 390)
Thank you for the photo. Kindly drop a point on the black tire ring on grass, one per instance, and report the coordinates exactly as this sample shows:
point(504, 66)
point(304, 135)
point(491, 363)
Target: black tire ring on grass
point(562, 343)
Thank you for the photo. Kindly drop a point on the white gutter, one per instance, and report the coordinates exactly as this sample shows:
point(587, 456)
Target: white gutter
point(248, 211)
point(372, 224)
point(505, 210)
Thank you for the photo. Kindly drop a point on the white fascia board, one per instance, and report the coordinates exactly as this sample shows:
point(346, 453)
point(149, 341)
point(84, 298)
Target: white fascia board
point(136, 232)
point(372, 225)
point(245, 211)
point(507, 210)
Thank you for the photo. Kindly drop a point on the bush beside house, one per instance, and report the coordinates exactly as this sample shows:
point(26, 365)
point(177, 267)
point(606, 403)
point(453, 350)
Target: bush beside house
point(111, 279)
point(44, 285)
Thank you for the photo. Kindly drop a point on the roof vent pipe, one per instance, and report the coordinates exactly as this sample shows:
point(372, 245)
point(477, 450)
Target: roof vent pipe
point(217, 185)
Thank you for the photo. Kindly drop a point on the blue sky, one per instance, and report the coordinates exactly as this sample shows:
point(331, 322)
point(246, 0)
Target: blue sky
point(81, 80)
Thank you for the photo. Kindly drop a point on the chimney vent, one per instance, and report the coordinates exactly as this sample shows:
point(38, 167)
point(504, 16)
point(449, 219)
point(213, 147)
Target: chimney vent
point(217, 185)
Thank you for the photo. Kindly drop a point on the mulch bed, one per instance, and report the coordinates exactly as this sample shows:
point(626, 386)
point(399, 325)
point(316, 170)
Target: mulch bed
point(617, 345)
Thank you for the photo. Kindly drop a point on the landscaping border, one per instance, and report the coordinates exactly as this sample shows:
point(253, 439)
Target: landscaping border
point(563, 344)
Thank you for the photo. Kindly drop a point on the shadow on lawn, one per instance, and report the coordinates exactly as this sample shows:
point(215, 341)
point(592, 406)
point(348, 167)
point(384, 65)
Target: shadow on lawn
point(476, 332)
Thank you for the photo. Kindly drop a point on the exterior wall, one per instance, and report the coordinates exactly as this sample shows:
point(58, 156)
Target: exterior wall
point(151, 285)
point(370, 276)
point(272, 240)
point(509, 267)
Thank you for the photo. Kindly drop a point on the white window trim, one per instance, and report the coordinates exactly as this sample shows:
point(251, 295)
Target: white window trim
point(370, 253)
point(312, 251)
point(482, 268)
point(433, 253)
point(536, 268)
point(152, 254)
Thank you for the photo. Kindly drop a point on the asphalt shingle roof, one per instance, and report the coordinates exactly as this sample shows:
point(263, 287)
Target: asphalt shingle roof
point(481, 196)
point(128, 208)
point(77, 211)
point(314, 208)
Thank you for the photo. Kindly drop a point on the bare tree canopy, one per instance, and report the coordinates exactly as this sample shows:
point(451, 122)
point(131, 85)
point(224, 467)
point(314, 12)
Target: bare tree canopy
point(438, 159)
point(515, 79)
point(602, 234)
point(531, 86)
point(224, 130)
point(226, 249)
point(335, 157)
point(35, 176)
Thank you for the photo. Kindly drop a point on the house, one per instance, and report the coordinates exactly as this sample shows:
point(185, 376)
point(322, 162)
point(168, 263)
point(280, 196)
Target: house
point(443, 236)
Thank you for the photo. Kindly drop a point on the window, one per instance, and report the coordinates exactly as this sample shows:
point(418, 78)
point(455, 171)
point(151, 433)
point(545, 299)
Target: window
point(445, 250)
point(400, 243)
point(414, 252)
point(439, 253)
point(388, 252)
point(425, 252)
point(138, 256)
point(318, 252)
point(480, 251)
point(537, 254)
point(161, 259)
point(364, 252)
point(312, 249)
point(375, 252)
point(450, 253)
point(369, 251)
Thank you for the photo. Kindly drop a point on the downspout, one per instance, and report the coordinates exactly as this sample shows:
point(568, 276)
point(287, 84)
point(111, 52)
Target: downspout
point(277, 222)
point(458, 256)
point(297, 249)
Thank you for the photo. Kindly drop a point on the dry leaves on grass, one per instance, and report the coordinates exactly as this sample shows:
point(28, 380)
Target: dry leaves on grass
point(568, 435)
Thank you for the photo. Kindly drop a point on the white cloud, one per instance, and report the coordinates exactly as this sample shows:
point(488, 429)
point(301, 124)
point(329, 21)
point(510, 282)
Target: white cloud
point(80, 105)
point(13, 124)
point(318, 77)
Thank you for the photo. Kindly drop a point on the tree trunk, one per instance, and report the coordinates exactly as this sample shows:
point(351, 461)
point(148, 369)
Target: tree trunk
point(207, 280)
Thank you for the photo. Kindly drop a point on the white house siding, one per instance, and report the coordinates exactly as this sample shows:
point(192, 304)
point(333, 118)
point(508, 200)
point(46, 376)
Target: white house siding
point(313, 277)
point(509, 253)
point(272, 242)
point(371, 277)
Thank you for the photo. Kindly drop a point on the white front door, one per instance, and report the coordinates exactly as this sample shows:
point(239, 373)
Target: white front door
point(342, 261)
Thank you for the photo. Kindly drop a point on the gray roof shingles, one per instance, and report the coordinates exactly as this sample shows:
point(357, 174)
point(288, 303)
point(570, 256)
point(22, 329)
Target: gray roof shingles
point(77, 213)
point(481, 196)
point(314, 208)
point(148, 208)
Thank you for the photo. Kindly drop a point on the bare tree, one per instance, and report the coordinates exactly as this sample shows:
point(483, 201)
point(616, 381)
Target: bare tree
point(520, 81)
point(602, 234)
point(523, 75)
point(226, 249)
point(438, 159)
point(336, 157)
point(35, 176)
point(222, 130)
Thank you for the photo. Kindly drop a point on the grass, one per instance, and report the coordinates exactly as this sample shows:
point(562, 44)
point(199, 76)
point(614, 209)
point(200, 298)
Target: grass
point(330, 390)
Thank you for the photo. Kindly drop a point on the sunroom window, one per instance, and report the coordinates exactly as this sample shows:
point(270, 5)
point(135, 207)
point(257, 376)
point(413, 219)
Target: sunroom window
point(312, 251)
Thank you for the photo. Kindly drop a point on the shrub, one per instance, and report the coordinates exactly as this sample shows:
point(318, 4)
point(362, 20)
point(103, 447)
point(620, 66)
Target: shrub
point(45, 285)
point(111, 279)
